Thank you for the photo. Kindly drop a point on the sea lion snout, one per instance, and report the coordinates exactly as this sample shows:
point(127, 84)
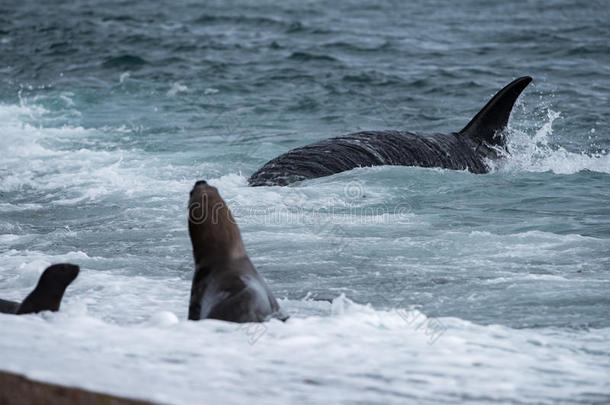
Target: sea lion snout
point(199, 183)
point(204, 203)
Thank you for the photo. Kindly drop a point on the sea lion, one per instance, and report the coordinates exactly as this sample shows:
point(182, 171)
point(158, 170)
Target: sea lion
point(48, 292)
point(225, 285)
point(482, 139)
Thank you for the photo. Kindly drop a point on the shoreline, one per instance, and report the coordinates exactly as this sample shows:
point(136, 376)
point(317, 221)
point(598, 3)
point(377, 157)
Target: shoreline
point(18, 389)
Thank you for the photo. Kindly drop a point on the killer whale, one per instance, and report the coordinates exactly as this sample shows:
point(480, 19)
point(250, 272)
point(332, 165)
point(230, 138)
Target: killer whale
point(481, 139)
point(47, 294)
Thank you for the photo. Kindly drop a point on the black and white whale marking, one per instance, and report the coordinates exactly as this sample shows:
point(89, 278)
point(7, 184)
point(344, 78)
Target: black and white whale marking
point(48, 292)
point(481, 139)
point(225, 285)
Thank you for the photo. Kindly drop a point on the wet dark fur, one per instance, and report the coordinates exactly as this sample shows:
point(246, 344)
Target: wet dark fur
point(225, 285)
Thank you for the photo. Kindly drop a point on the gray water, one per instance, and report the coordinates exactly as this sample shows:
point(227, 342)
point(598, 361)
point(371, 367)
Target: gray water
point(110, 112)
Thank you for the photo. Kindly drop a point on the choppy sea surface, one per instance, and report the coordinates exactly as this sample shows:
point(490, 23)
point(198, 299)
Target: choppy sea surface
point(404, 285)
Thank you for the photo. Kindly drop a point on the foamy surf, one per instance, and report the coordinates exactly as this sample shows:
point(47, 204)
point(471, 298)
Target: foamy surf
point(365, 355)
point(537, 153)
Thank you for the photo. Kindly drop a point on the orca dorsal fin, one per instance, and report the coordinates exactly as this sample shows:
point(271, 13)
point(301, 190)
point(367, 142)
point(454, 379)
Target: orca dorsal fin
point(493, 118)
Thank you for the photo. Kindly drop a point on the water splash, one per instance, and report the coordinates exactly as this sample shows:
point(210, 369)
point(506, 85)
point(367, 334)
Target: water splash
point(538, 153)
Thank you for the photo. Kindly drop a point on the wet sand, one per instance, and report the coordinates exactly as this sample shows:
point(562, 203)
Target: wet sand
point(16, 390)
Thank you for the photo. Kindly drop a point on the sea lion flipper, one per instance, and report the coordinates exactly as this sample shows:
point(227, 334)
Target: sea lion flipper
point(50, 289)
point(8, 307)
point(493, 118)
point(281, 315)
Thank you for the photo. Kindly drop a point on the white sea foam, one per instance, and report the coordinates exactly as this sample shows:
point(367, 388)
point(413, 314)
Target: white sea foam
point(177, 88)
point(35, 156)
point(351, 354)
point(537, 154)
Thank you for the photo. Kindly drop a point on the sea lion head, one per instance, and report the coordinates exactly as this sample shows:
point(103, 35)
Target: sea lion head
point(62, 273)
point(212, 228)
point(50, 289)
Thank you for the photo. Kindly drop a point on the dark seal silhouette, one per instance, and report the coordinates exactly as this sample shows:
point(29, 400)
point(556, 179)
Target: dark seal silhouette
point(48, 292)
point(225, 285)
point(483, 138)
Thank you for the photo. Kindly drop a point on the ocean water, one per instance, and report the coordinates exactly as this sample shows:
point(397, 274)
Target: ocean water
point(404, 285)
